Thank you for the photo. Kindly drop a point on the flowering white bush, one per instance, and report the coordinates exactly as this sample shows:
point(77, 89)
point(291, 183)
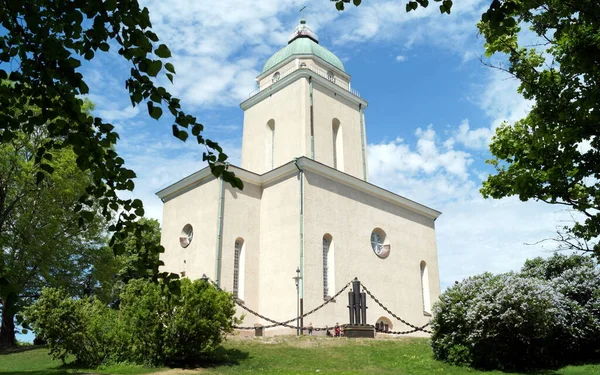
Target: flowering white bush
point(536, 318)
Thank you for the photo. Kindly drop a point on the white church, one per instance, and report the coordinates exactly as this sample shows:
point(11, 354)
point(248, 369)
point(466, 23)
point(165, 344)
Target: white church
point(306, 204)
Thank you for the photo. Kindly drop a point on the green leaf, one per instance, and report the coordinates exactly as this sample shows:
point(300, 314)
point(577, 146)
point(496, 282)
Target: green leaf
point(183, 135)
point(197, 129)
point(48, 168)
point(83, 88)
point(162, 51)
point(127, 173)
point(339, 6)
point(155, 112)
point(170, 68)
point(357, 2)
point(510, 22)
point(170, 77)
point(154, 67)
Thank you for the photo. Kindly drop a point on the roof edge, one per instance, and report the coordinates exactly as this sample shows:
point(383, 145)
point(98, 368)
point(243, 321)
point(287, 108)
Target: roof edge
point(291, 168)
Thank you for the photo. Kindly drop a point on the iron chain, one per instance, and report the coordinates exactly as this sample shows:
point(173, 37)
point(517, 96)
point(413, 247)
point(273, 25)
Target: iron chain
point(415, 328)
point(285, 323)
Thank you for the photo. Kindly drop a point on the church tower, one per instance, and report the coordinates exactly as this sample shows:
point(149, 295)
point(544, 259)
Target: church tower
point(306, 210)
point(304, 106)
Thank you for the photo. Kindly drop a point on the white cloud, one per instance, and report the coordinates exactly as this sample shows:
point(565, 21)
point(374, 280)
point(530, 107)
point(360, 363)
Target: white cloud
point(500, 99)
point(473, 138)
point(400, 58)
point(473, 234)
point(388, 21)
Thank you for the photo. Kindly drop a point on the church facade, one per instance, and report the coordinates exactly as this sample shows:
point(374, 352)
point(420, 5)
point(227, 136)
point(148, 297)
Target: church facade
point(306, 204)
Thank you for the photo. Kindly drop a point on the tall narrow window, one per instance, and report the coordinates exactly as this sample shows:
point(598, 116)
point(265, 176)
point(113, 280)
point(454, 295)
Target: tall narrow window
point(338, 147)
point(328, 266)
point(239, 271)
point(270, 145)
point(425, 288)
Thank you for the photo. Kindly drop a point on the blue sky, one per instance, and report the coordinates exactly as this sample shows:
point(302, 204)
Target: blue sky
point(433, 107)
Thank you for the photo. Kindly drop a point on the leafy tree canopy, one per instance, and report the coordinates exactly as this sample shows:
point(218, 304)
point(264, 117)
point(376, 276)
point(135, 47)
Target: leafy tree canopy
point(552, 154)
point(43, 44)
point(41, 241)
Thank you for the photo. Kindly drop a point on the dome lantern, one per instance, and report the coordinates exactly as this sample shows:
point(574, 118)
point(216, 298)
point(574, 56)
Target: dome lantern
point(303, 41)
point(303, 31)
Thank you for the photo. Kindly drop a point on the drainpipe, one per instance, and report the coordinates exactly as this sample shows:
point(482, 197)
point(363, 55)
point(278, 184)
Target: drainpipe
point(301, 285)
point(312, 126)
point(362, 141)
point(219, 249)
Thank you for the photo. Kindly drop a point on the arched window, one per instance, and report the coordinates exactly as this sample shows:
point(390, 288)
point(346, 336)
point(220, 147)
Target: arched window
point(239, 269)
point(270, 145)
point(328, 266)
point(338, 147)
point(384, 325)
point(425, 288)
point(276, 77)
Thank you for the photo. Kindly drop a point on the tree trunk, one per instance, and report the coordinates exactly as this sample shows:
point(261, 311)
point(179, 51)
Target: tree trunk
point(7, 330)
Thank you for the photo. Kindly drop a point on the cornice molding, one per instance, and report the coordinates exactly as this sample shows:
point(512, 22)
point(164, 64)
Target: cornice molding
point(294, 76)
point(282, 63)
point(292, 168)
point(364, 186)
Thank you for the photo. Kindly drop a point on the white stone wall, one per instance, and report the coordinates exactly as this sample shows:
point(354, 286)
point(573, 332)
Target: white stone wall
point(350, 216)
point(267, 216)
point(327, 106)
point(289, 109)
point(197, 207)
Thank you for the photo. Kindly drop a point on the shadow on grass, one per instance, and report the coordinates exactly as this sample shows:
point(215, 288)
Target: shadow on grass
point(20, 349)
point(557, 370)
point(221, 357)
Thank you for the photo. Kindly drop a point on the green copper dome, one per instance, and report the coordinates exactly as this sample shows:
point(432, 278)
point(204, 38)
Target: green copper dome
point(303, 42)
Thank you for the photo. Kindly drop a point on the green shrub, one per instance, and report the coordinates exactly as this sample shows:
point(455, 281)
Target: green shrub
point(70, 326)
point(197, 324)
point(151, 327)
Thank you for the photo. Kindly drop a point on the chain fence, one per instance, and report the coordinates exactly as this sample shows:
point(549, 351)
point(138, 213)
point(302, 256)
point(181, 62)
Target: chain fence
point(284, 323)
point(288, 325)
point(414, 327)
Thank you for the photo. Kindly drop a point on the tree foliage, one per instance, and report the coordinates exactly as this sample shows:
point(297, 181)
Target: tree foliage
point(43, 45)
point(552, 154)
point(41, 240)
point(445, 6)
point(545, 315)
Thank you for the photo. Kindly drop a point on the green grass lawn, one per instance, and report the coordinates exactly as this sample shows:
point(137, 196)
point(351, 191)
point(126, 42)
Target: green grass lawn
point(288, 355)
point(36, 361)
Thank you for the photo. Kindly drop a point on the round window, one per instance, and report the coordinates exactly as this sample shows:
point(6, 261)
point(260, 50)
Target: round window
point(330, 76)
point(186, 236)
point(379, 243)
point(276, 77)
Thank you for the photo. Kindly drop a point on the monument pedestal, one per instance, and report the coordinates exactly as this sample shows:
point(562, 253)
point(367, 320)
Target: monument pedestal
point(356, 331)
